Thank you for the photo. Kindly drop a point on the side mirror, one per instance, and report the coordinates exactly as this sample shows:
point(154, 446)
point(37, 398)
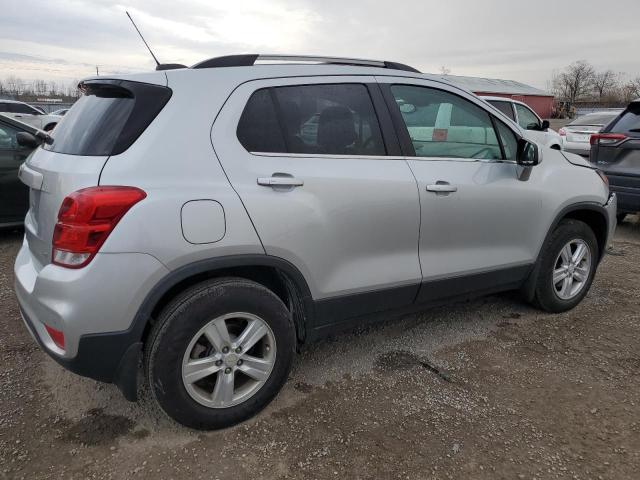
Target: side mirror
point(528, 153)
point(27, 140)
point(545, 125)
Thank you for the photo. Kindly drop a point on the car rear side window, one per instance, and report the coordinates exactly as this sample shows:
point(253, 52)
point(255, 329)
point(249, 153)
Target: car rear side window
point(629, 121)
point(324, 119)
point(108, 118)
point(504, 107)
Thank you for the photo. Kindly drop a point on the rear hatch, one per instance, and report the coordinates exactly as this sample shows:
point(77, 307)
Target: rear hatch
point(616, 149)
point(105, 121)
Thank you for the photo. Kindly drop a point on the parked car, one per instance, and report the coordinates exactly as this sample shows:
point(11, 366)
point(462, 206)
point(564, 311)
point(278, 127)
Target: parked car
point(29, 114)
point(575, 136)
point(62, 112)
point(14, 195)
point(299, 200)
point(616, 151)
point(535, 128)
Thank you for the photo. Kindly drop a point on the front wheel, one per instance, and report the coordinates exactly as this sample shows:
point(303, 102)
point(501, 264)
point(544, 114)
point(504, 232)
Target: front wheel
point(219, 353)
point(568, 265)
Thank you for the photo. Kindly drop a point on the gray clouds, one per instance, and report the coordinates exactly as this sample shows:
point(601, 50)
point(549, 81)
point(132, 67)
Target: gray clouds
point(494, 38)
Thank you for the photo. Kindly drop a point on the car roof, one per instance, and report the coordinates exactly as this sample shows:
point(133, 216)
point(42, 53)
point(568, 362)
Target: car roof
point(502, 99)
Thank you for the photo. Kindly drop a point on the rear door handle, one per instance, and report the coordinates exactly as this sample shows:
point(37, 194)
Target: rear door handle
point(442, 188)
point(280, 181)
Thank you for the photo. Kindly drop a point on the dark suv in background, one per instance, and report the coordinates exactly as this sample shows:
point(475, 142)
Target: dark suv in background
point(616, 151)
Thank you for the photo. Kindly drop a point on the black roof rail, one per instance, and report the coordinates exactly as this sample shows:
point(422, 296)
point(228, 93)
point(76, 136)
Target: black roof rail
point(169, 66)
point(251, 59)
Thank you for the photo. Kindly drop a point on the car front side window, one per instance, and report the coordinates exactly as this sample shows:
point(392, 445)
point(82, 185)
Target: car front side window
point(527, 119)
point(441, 124)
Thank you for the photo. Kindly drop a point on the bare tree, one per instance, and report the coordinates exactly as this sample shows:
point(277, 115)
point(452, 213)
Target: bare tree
point(12, 85)
point(444, 70)
point(40, 87)
point(2, 87)
point(575, 81)
point(633, 87)
point(604, 83)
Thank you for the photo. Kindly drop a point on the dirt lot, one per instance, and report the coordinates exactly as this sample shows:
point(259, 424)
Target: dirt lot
point(485, 390)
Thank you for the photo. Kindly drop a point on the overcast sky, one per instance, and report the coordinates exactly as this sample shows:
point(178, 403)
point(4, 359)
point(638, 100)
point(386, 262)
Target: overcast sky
point(511, 39)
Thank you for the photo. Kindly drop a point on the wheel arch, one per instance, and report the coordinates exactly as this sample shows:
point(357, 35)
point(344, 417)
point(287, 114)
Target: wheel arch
point(278, 275)
point(593, 214)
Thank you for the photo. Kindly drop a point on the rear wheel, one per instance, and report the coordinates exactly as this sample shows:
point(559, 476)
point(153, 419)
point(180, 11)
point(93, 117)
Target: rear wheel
point(567, 267)
point(220, 353)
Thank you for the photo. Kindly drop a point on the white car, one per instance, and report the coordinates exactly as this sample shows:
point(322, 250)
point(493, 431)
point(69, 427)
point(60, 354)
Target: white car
point(536, 129)
point(28, 114)
point(576, 136)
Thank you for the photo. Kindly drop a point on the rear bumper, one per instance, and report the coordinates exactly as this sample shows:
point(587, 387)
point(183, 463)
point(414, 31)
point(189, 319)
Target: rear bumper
point(94, 307)
point(627, 189)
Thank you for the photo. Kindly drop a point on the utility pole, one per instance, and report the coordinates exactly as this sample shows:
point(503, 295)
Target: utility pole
point(97, 72)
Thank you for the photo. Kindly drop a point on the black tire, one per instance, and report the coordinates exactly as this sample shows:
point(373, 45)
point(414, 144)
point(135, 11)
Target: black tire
point(178, 324)
point(620, 217)
point(546, 297)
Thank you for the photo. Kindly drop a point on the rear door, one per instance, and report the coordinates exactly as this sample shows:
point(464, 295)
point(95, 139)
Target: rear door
point(478, 207)
point(318, 168)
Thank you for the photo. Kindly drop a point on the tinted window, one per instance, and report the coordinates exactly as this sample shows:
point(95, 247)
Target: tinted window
point(315, 119)
point(504, 107)
point(22, 108)
point(526, 118)
point(108, 118)
point(629, 121)
point(442, 124)
point(259, 130)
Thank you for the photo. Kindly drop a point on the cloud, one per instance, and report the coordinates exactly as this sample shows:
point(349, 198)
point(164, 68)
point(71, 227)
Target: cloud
point(492, 38)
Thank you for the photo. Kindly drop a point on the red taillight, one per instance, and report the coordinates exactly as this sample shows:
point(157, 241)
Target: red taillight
point(85, 220)
point(56, 335)
point(562, 132)
point(606, 138)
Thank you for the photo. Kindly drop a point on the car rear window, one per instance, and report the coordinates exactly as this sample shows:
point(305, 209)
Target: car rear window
point(594, 119)
point(108, 118)
point(629, 121)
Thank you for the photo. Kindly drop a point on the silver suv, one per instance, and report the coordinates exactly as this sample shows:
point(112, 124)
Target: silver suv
point(207, 221)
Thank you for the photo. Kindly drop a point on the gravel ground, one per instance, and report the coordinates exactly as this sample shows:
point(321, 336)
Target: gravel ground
point(485, 390)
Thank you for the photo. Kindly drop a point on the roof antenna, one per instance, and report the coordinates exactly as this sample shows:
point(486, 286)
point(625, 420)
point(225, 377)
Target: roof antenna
point(145, 42)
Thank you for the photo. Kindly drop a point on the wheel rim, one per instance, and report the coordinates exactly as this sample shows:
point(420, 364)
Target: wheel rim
point(571, 269)
point(229, 360)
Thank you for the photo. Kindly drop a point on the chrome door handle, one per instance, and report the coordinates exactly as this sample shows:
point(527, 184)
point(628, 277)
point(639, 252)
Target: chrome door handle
point(280, 182)
point(442, 187)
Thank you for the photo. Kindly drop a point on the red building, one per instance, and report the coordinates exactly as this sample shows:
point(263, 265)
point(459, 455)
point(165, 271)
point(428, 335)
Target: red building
point(539, 100)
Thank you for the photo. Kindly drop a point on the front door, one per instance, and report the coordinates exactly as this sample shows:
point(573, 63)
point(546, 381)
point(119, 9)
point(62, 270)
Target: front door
point(311, 162)
point(478, 207)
